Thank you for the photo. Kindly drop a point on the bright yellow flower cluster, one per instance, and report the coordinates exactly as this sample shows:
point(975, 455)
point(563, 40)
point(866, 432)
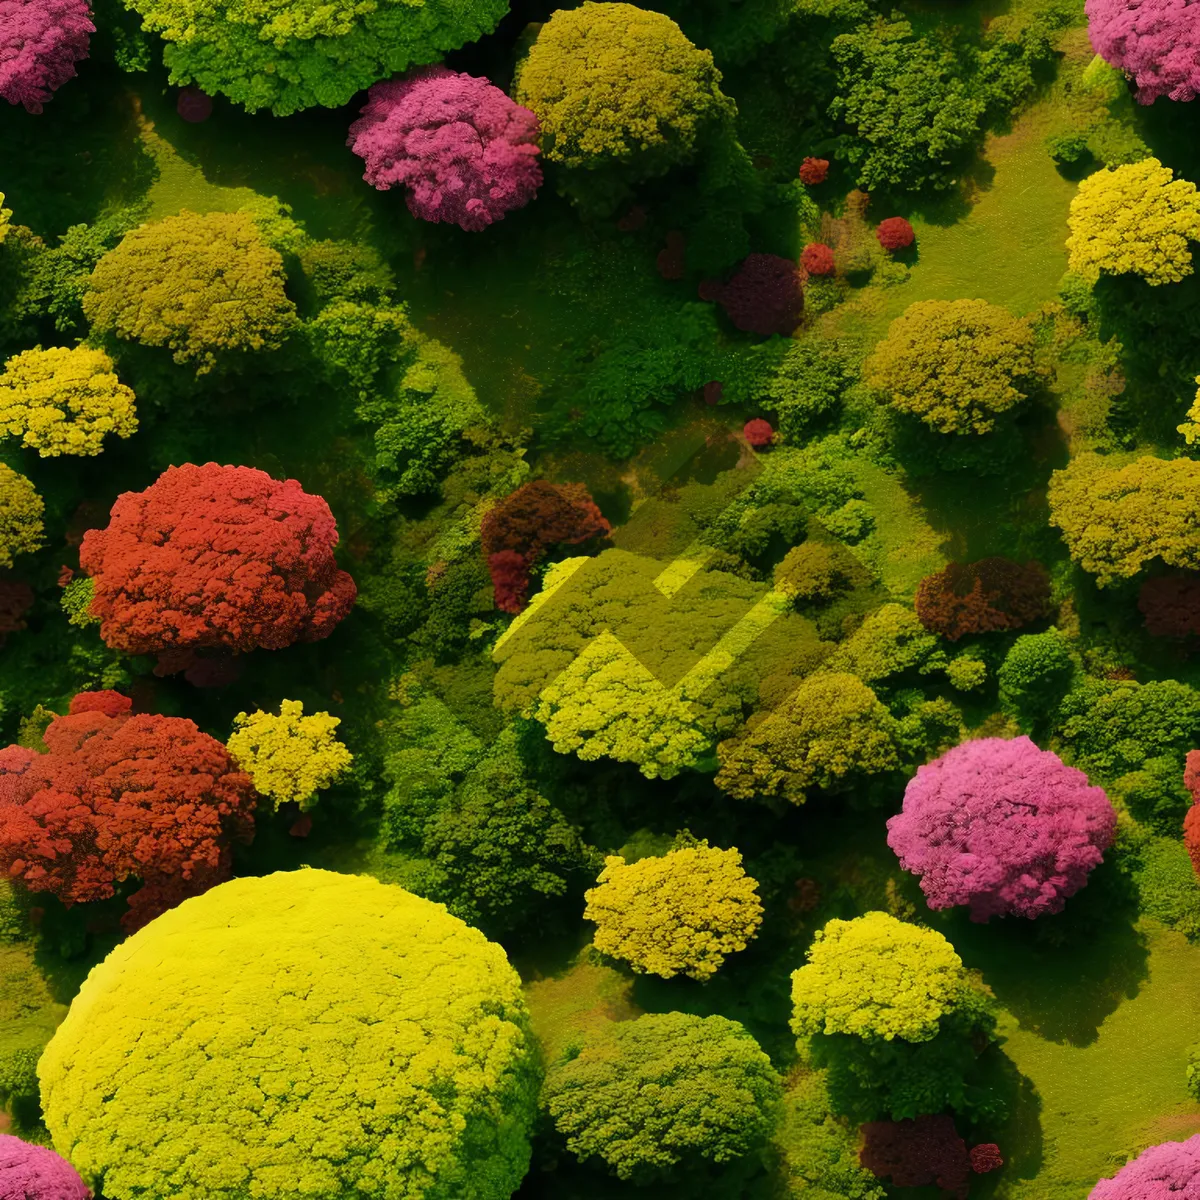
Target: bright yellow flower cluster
point(61, 401)
point(21, 511)
point(5, 217)
point(289, 756)
point(678, 914)
point(1137, 219)
point(877, 977)
point(1191, 427)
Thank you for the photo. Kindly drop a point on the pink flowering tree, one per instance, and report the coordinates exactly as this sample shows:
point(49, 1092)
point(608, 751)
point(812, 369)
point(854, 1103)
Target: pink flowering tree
point(40, 43)
point(466, 153)
point(36, 1173)
point(1155, 42)
point(1169, 1171)
point(1002, 827)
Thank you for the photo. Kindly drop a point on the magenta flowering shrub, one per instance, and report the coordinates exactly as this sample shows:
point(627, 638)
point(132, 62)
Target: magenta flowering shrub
point(1169, 1171)
point(1155, 42)
point(40, 43)
point(36, 1173)
point(466, 153)
point(1003, 827)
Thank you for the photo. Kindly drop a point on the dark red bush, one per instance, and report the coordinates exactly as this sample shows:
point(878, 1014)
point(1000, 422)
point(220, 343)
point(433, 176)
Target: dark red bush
point(817, 259)
point(194, 105)
point(895, 233)
point(765, 295)
point(814, 171)
point(982, 597)
point(986, 1157)
point(672, 262)
point(917, 1152)
point(758, 432)
point(1170, 606)
point(16, 599)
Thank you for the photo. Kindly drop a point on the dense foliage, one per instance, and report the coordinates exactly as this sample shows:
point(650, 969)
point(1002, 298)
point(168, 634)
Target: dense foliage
point(40, 43)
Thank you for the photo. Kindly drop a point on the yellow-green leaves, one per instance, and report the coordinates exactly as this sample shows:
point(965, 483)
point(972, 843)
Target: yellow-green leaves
point(678, 914)
point(289, 756)
point(61, 401)
point(1116, 519)
point(877, 977)
point(1137, 219)
point(300, 1034)
point(955, 364)
point(21, 511)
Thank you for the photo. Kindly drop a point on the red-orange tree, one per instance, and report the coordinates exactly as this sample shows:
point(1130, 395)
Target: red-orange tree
point(117, 797)
point(982, 597)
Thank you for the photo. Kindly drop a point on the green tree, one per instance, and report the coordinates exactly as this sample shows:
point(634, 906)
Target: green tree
point(205, 287)
point(832, 729)
point(1117, 518)
point(21, 512)
point(286, 55)
point(620, 94)
point(1135, 219)
point(680, 913)
point(1035, 675)
point(890, 642)
point(500, 849)
point(955, 364)
point(663, 1091)
point(381, 1032)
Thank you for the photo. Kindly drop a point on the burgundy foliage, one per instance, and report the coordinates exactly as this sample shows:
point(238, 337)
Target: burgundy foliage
point(1002, 827)
point(713, 390)
point(817, 259)
point(16, 599)
point(1170, 606)
point(218, 558)
point(986, 1157)
point(633, 220)
point(672, 261)
point(1168, 1171)
point(895, 233)
point(814, 171)
point(466, 153)
point(758, 432)
point(983, 597)
point(524, 525)
point(194, 105)
point(917, 1152)
point(119, 796)
point(765, 295)
point(36, 1173)
point(40, 43)
point(1155, 42)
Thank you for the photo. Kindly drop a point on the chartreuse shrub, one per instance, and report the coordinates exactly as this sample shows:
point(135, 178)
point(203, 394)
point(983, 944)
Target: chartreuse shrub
point(305, 1034)
point(21, 511)
point(680, 913)
point(289, 756)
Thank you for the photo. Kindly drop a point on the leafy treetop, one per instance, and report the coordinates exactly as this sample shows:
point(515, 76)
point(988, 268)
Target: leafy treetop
point(21, 512)
point(40, 43)
point(1155, 43)
point(37, 1173)
point(1168, 1169)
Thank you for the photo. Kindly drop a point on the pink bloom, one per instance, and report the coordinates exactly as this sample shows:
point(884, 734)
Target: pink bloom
point(1002, 827)
point(36, 1173)
point(1155, 42)
point(466, 153)
point(40, 43)
point(1169, 1171)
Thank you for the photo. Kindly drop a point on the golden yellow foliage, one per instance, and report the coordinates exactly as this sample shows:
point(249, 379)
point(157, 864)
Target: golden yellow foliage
point(21, 511)
point(61, 401)
point(289, 756)
point(5, 218)
point(955, 364)
point(1136, 219)
point(1191, 427)
point(877, 977)
point(680, 913)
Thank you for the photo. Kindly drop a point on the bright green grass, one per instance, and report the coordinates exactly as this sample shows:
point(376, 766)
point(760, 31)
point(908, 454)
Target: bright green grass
point(1107, 1101)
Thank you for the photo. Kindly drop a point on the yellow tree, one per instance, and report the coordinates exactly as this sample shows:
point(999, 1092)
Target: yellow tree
point(61, 401)
point(21, 511)
point(680, 913)
point(289, 756)
point(1136, 219)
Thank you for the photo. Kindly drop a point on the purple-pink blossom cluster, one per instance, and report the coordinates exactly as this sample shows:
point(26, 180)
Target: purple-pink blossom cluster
point(1155, 42)
point(1002, 827)
point(36, 1173)
point(466, 153)
point(40, 43)
point(1169, 1171)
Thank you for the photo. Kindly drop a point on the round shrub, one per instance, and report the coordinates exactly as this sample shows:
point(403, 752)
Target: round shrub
point(305, 1033)
point(21, 512)
point(813, 571)
point(894, 233)
point(955, 364)
point(465, 153)
point(983, 597)
point(680, 913)
point(764, 296)
point(817, 259)
point(662, 1090)
point(1002, 827)
point(814, 171)
point(1168, 1171)
point(758, 433)
point(918, 1152)
point(36, 1173)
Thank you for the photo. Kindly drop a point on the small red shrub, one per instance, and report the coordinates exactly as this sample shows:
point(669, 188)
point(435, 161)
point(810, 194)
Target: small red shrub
point(817, 259)
point(758, 432)
point(814, 171)
point(895, 233)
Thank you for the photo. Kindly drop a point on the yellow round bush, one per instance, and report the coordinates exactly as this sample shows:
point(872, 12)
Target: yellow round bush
point(289, 756)
point(877, 977)
point(21, 511)
point(61, 401)
point(306, 1034)
point(681, 913)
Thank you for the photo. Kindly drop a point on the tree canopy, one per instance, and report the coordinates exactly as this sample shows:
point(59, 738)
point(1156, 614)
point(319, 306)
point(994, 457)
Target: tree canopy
point(37, 1173)
point(380, 1033)
point(21, 512)
point(1159, 1171)
point(40, 43)
point(1154, 42)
